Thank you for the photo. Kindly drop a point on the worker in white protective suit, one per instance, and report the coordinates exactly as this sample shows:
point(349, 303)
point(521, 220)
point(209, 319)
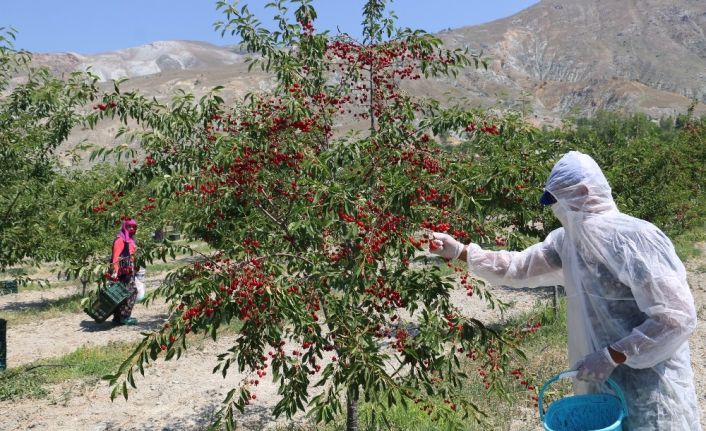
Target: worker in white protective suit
point(630, 310)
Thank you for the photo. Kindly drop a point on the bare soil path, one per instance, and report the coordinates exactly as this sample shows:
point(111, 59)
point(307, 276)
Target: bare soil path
point(697, 280)
point(47, 338)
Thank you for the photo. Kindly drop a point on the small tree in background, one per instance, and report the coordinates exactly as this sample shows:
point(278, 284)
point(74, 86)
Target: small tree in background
point(37, 113)
point(43, 204)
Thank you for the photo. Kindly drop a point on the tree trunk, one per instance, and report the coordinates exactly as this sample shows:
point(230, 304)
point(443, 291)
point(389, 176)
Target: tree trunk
point(84, 283)
point(555, 303)
point(352, 413)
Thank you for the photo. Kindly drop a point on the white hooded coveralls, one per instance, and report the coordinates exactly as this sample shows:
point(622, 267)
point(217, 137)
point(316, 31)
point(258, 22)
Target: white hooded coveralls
point(625, 287)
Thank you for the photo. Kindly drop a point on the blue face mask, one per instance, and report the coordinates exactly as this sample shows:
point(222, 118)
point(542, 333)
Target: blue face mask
point(547, 199)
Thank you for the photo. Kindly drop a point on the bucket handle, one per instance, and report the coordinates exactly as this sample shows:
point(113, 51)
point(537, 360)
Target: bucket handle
point(572, 373)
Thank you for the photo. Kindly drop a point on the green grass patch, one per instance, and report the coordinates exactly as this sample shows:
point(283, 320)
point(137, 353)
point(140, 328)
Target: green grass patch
point(546, 352)
point(30, 287)
point(687, 244)
point(201, 246)
point(159, 267)
point(45, 310)
point(398, 419)
point(86, 363)
point(180, 260)
point(36, 279)
point(21, 271)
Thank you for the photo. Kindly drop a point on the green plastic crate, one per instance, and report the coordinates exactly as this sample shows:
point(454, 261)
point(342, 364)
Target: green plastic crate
point(107, 301)
point(8, 286)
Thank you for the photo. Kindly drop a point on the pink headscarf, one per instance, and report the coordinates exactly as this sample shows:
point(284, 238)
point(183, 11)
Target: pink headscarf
point(124, 234)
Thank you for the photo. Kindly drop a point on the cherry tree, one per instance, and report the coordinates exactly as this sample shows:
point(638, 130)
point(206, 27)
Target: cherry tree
point(317, 198)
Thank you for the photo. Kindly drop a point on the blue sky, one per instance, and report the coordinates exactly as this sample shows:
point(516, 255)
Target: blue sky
point(90, 26)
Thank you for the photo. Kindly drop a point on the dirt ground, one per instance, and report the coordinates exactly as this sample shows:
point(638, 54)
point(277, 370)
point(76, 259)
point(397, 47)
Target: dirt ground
point(184, 394)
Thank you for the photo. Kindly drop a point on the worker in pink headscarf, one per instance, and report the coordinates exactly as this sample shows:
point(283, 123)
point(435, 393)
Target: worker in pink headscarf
point(124, 269)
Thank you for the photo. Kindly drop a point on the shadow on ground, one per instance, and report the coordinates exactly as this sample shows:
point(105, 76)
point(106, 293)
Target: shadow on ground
point(150, 324)
point(255, 418)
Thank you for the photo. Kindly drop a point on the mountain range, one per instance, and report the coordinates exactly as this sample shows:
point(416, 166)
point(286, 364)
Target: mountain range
point(554, 59)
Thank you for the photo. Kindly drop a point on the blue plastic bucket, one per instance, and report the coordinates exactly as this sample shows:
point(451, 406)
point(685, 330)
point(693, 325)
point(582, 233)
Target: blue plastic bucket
point(590, 412)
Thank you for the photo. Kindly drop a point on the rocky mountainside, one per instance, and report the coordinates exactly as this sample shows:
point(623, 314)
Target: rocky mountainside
point(556, 58)
point(576, 56)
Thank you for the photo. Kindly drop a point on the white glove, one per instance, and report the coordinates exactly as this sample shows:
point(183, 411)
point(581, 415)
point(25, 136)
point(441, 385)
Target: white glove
point(596, 367)
point(445, 246)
